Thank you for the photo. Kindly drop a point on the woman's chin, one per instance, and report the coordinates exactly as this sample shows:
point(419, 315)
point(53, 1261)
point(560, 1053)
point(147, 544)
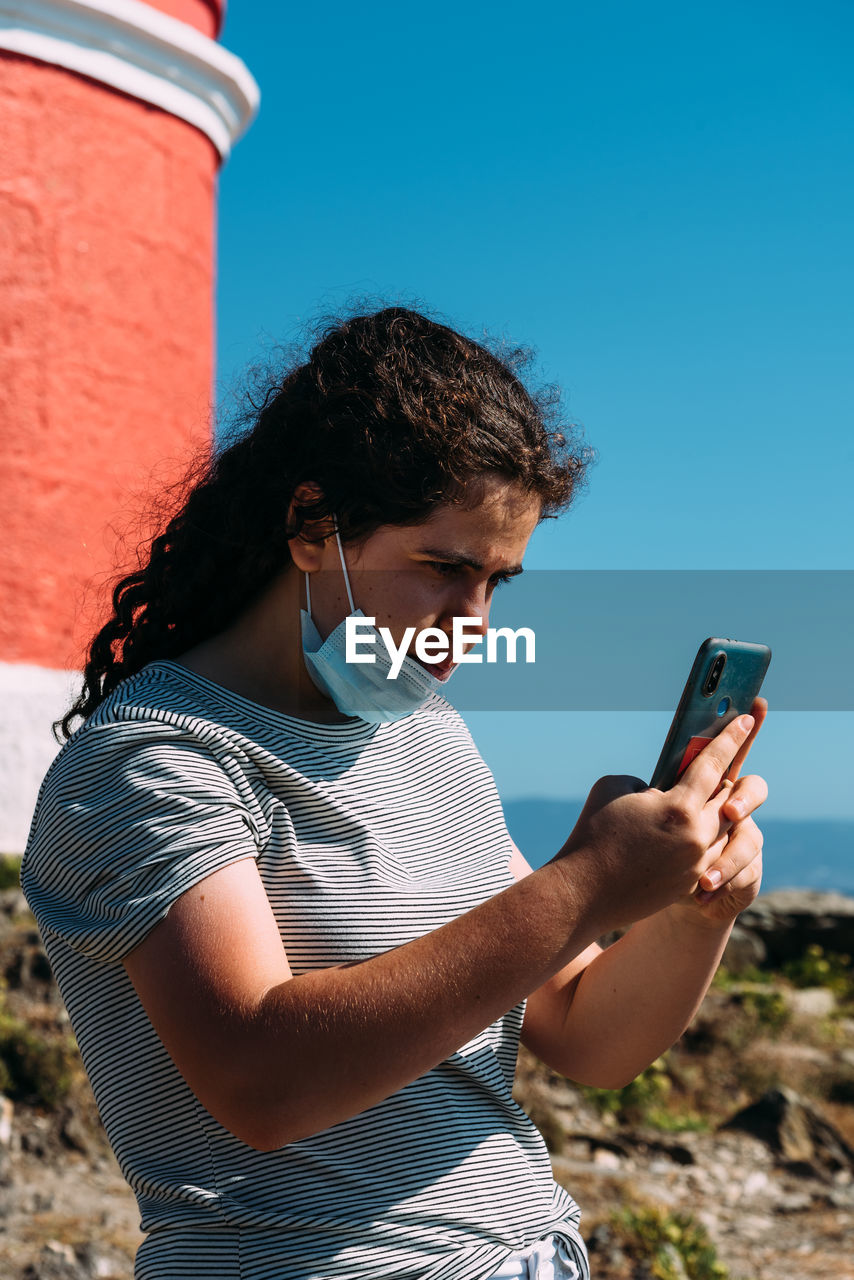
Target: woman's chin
point(441, 670)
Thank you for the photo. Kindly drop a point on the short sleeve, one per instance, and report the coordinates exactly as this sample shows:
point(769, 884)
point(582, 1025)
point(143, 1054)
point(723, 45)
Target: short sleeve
point(128, 818)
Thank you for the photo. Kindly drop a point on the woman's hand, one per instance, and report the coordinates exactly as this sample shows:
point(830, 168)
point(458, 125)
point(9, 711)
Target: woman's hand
point(740, 868)
point(676, 865)
point(733, 881)
point(637, 850)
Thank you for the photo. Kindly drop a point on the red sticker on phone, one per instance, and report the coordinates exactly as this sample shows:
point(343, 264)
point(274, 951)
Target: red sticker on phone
point(694, 747)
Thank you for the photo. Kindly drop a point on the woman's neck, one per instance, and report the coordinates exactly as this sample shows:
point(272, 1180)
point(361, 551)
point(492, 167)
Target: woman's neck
point(260, 658)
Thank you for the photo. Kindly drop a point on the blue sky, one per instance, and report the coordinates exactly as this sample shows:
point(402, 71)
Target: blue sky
point(658, 198)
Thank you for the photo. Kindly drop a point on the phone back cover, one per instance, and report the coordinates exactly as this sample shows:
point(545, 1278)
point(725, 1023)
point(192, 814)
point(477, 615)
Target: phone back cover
point(697, 718)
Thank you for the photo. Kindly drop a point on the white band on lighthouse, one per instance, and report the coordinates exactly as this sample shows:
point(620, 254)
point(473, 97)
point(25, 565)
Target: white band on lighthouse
point(33, 697)
point(144, 53)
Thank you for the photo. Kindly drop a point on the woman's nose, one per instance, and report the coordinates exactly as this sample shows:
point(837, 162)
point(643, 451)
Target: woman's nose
point(472, 604)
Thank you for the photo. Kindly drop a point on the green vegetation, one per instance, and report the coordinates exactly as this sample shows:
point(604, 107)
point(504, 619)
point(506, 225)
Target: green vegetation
point(768, 1009)
point(672, 1245)
point(646, 1101)
point(726, 980)
point(817, 968)
point(34, 1069)
point(669, 1120)
point(10, 870)
point(634, 1101)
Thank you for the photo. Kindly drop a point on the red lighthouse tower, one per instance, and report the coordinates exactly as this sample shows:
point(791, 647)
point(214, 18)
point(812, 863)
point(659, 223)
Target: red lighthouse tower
point(117, 115)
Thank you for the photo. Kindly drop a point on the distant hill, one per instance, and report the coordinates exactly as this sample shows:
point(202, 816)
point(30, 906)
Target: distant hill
point(798, 854)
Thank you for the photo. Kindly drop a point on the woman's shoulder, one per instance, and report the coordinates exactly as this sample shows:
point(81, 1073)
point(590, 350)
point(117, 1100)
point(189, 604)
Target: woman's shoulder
point(156, 704)
point(136, 807)
point(156, 694)
point(148, 727)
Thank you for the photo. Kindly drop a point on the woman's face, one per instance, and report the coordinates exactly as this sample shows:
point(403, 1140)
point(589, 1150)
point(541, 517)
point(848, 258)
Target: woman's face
point(426, 575)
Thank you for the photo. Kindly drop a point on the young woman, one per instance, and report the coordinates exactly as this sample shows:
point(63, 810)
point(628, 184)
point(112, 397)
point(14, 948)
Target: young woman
point(297, 944)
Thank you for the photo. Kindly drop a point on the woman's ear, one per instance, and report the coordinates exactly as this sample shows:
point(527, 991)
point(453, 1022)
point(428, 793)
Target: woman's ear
point(307, 546)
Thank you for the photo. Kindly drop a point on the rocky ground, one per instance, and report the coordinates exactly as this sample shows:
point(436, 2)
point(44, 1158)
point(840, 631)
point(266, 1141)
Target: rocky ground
point(770, 1211)
point(731, 1157)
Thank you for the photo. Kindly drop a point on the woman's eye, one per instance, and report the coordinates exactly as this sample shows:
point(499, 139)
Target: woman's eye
point(448, 569)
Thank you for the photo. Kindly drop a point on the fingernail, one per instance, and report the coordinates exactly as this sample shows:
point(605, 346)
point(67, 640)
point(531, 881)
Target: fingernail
point(746, 723)
point(737, 806)
point(712, 878)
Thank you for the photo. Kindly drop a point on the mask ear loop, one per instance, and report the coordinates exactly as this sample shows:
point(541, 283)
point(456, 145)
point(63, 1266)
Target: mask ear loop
point(346, 575)
point(344, 567)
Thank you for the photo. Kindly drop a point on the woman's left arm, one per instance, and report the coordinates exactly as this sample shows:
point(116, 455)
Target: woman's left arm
point(610, 1013)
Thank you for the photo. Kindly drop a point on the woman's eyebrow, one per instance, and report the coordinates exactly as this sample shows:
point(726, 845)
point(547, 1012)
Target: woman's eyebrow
point(456, 557)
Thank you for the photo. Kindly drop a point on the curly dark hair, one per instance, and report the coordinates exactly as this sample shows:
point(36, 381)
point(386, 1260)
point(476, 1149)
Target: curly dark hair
point(392, 414)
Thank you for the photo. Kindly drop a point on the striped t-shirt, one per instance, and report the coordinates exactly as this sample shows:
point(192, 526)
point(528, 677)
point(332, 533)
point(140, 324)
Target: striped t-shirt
point(366, 836)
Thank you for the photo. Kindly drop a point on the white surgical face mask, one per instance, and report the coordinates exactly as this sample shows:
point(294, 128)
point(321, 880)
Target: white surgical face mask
point(362, 689)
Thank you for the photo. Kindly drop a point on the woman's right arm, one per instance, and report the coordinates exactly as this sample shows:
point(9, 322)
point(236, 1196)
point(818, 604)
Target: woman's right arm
point(276, 1057)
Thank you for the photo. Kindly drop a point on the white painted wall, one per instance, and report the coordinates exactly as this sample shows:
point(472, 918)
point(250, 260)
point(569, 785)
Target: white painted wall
point(31, 698)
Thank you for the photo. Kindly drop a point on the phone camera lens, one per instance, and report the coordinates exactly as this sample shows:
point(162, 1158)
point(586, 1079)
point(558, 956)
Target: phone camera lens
point(714, 676)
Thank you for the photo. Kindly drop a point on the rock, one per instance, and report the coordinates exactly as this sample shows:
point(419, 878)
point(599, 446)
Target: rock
point(811, 1002)
point(604, 1159)
point(57, 1261)
point(56, 1249)
point(744, 950)
point(74, 1131)
point(603, 1243)
point(805, 1068)
point(787, 921)
point(7, 1111)
point(13, 903)
point(756, 1183)
point(94, 1263)
point(793, 1202)
point(35, 1144)
point(28, 968)
point(796, 1131)
point(646, 1142)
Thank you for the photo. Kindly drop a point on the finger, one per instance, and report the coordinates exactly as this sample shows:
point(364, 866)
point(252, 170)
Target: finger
point(706, 771)
point(750, 877)
point(726, 785)
point(714, 854)
point(759, 711)
point(732, 803)
point(744, 797)
point(740, 851)
point(716, 807)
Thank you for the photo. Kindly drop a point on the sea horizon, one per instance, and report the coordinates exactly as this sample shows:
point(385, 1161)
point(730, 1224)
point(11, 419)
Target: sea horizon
point(798, 853)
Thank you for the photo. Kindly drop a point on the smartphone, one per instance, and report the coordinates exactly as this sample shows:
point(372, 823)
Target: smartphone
point(725, 678)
